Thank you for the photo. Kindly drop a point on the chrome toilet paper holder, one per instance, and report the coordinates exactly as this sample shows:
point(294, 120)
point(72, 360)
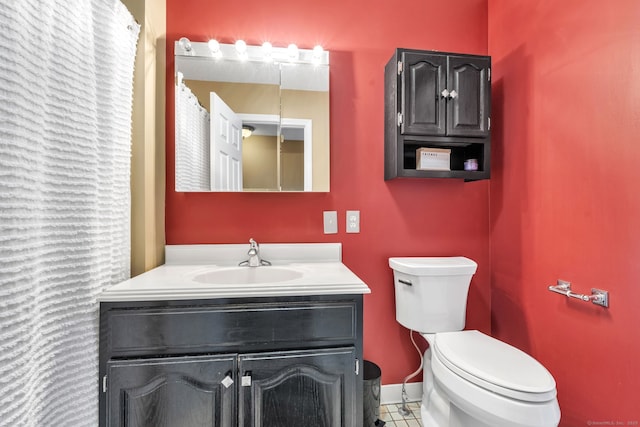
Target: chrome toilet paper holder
point(597, 297)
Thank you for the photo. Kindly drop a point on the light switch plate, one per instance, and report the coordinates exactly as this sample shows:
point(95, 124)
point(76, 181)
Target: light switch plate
point(330, 222)
point(353, 221)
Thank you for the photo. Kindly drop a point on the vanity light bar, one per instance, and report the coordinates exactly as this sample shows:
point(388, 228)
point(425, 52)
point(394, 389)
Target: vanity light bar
point(241, 51)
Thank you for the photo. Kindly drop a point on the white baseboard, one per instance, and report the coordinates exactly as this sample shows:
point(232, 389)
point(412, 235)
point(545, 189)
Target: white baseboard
point(392, 393)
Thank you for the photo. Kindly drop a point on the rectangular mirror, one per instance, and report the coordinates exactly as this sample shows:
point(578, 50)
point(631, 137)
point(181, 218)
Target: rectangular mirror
point(244, 123)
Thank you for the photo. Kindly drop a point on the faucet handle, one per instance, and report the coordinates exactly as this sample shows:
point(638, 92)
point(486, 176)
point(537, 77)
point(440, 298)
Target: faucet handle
point(254, 255)
point(254, 248)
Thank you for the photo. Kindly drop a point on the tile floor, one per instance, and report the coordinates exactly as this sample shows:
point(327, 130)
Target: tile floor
point(390, 415)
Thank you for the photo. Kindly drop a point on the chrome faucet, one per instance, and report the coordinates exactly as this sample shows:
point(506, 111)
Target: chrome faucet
point(254, 256)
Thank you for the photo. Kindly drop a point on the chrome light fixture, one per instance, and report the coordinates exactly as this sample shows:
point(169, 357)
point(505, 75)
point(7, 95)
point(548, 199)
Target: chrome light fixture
point(241, 51)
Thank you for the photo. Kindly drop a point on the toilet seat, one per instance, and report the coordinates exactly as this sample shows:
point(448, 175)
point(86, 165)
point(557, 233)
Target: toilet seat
point(494, 366)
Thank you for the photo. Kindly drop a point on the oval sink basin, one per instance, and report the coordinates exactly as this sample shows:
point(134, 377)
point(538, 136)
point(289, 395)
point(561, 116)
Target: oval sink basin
point(247, 275)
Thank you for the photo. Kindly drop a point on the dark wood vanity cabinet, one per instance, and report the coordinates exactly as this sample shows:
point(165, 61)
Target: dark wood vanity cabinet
point(276, 362)
point(437, 100)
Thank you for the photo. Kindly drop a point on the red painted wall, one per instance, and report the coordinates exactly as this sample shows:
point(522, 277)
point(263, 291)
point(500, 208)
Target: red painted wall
point(398, 218)
point(564, 197)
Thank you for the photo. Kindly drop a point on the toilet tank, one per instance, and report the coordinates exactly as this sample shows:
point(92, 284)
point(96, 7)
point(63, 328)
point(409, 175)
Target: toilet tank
point(431, 292)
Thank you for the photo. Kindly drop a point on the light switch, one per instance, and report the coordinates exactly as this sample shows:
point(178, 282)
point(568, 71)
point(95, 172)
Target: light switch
point(330, 222)
point(353, 221)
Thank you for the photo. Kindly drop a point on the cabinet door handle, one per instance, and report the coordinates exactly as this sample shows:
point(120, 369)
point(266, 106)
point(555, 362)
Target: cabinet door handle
point(246, 379)
point(453, 94)
point(445, 94)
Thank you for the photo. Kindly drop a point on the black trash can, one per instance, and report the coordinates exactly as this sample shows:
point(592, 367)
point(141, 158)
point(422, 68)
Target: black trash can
point(371, 395)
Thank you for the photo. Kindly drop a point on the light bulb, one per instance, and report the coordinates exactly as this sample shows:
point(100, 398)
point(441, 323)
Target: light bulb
point(241, 48)
point(267, 51)
point(185, 44)
point(214, 47)
point(317, 53)
point(292, 51)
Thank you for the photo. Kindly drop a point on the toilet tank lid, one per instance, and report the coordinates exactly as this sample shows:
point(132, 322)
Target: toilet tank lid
point(434, 266)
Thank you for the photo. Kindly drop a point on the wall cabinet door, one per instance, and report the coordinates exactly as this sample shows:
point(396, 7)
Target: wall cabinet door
point(423, 107)
point(468, 98)
point(302, 388)
point(171, 391)
point(444, 95)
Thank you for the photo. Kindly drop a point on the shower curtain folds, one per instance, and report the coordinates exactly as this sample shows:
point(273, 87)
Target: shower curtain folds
point(66, 79)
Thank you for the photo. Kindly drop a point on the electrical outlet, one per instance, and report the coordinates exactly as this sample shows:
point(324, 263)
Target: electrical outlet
point(330, 222)
point(353, 221)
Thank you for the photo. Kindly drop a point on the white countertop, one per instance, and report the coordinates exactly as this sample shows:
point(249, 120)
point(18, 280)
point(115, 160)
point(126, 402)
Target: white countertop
point(323, 273)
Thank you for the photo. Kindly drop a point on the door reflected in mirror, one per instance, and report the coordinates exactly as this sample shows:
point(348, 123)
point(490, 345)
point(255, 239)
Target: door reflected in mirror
point(283, 103)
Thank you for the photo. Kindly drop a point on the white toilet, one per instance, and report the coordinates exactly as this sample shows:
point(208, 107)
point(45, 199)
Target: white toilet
point(470, 379)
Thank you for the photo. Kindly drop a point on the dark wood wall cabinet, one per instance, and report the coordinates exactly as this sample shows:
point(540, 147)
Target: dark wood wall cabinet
point(437, 100)
point(246, 362)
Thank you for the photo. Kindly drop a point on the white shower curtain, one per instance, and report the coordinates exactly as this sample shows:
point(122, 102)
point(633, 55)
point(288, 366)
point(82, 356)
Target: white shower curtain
point(66, 71)
point(192, 142)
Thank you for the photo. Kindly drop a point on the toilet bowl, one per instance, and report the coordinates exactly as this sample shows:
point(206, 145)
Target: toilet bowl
point(470, 379)
point(489, 383)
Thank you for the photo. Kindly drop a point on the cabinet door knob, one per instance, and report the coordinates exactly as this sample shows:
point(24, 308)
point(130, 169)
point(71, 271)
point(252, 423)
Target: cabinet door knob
point(227, 381)
point(453, 94)
point(445, 94)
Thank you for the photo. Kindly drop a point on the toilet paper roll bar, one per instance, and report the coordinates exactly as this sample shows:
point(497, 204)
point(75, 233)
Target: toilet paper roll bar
point(598, 296)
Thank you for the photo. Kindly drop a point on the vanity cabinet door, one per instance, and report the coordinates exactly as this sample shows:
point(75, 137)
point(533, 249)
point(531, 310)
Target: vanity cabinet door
point(304, 388)
point(170, 392)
